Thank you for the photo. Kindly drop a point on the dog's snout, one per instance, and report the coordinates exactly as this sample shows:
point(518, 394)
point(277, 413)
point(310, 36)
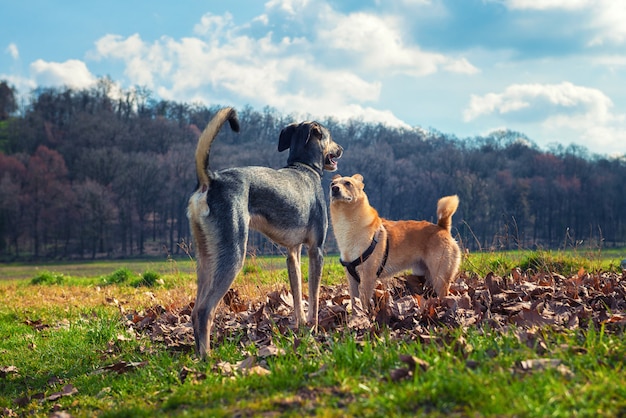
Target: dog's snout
point(334, 188)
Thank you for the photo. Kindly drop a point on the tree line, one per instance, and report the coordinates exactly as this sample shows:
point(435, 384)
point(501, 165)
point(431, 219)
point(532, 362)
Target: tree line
point(93, 174)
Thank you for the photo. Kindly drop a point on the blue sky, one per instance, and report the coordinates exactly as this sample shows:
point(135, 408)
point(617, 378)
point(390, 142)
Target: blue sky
point(554, 70)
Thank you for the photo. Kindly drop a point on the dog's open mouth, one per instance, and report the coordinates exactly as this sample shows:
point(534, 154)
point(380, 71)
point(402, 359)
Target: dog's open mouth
point(331, 162)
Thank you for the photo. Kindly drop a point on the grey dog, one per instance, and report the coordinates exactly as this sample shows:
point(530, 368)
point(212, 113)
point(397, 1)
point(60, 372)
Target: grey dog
point(287, 205)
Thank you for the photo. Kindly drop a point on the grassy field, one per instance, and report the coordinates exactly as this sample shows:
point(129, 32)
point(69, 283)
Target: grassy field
point(70, 343)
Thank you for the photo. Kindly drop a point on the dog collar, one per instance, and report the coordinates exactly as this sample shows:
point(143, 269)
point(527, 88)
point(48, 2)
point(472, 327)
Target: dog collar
point(351, 266)
point(306, 166)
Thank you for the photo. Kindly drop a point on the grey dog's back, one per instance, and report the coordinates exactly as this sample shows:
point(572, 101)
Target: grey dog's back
point(282, 197)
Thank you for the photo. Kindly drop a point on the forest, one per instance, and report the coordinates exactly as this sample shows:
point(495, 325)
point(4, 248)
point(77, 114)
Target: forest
point(99, 173)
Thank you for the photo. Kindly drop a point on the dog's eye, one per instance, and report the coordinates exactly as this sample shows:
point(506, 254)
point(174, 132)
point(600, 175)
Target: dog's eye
point(348, 184)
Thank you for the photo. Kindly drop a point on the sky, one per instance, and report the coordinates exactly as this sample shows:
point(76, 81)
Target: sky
point(553, 70)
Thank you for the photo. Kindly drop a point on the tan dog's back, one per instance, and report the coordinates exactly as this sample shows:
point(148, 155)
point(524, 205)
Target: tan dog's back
point(425, 248)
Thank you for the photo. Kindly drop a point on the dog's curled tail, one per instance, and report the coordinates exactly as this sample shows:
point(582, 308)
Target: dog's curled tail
point(206, 139)
point(446, 207)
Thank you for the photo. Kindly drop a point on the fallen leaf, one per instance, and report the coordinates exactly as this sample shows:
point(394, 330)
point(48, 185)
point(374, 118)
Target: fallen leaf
point(225, 368)
point(185, 372)
point(54, 380)
point(121, 367)
point(104, 392)
point(7, 370)
point(539, 364)
point(60, 414)
point(472, 364)
point(414, 362)
point(270, 350)
point(494, 284)
point(398, 374)
point(7, 412)
point(68, 390)
point(258, 370)
point(36, 324)
point(247, 363)
point(320, 371)
point(22, 401)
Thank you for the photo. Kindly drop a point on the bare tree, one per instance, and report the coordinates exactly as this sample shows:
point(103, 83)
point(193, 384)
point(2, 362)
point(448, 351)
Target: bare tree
point(8, 104)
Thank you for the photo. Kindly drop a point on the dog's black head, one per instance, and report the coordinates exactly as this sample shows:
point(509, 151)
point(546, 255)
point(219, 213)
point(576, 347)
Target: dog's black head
point(310, 143)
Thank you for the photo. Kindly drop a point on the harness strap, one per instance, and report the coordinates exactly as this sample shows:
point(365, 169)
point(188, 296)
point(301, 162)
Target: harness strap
point(351, 266)
point(384, 260)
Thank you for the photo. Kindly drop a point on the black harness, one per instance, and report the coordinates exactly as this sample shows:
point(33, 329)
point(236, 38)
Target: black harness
point(351, 266)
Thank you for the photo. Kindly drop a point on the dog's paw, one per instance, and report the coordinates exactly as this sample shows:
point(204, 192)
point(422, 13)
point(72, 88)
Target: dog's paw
point(311, 320)
point(359, 321)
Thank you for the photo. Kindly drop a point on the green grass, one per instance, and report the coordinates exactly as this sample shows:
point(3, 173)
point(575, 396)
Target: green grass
point(94, 269)
point(65, 332)
point(561, 262)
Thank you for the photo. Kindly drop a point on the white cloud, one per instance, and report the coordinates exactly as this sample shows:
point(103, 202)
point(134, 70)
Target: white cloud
point(116, 47)
point(291, 7)
point(549, 4)
point(378, 44)
point(13, 51)
point(613, 63)
point(559, 98)
point(211, 24)
point(142, 61)
point(291, 65)
point(71, 73)
point(563, 110)
point(606, 17)
point(223, 63)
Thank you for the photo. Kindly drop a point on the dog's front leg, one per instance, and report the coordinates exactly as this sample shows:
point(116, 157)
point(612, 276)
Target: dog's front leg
point(366, 291)
point(295, 280)
point(316, 262)
point(354, 292)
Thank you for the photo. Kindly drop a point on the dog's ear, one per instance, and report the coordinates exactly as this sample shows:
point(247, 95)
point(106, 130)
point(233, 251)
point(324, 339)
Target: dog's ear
point(284, 140)
point(314, 130)
point(359, 181)
point(310, 129)
point(336, 176)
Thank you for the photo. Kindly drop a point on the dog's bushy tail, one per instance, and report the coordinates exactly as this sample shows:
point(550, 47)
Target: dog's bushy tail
point(446, 207)
point(206, 139)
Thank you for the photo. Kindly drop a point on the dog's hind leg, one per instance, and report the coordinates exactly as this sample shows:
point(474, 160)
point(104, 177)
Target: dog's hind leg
point(215, 276)
point(316, 262)
point(295, 280)
point(440, 283)
point(443, 270)
point(201, 316)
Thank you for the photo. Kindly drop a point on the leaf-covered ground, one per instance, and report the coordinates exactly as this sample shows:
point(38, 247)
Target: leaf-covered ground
point(520, 303)
point(405, 306)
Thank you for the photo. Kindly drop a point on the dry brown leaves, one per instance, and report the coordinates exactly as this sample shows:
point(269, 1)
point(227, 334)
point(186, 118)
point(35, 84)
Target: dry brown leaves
point(406, 307)
point(66, 390)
